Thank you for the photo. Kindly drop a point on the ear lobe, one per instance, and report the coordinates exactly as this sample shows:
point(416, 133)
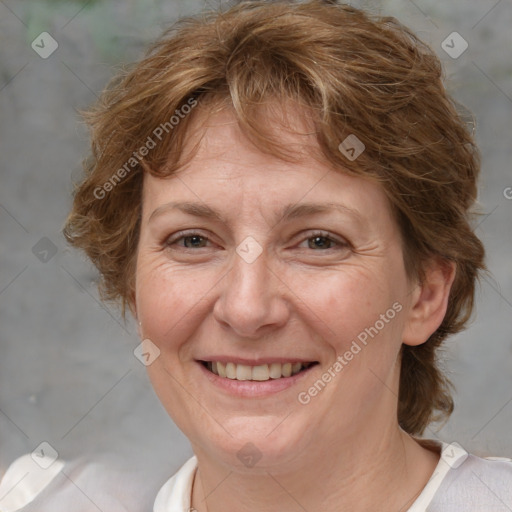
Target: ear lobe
point(430, 302)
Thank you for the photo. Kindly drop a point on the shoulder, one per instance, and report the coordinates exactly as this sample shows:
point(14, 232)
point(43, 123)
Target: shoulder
point(489, 474)
point(473, 483)
point(107, 481)
point(465, 482)
point(176, 492)
point(25, 478)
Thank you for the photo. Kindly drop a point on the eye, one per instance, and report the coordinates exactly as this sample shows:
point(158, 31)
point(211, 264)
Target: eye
point(190, 240)
point(193, 240)
point(323, 241)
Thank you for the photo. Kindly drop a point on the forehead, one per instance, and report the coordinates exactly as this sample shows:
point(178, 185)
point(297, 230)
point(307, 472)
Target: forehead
point(218, 135)
point(227, 171)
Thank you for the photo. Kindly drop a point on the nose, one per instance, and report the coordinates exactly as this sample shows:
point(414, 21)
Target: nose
point(252, 302)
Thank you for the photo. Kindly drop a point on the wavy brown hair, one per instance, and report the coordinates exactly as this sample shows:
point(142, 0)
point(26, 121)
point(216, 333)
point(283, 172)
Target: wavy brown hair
point(353, 73)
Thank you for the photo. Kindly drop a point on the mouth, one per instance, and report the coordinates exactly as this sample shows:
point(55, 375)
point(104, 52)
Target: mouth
point(257, 373)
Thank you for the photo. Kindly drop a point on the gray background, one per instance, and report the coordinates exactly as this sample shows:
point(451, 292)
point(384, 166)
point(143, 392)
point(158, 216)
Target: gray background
point(67, 371)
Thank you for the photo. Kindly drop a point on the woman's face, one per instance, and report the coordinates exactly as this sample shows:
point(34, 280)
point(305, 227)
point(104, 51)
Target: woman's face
point(257, 265)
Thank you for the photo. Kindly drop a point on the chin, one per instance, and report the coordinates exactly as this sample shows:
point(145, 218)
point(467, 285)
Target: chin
point(253, 444)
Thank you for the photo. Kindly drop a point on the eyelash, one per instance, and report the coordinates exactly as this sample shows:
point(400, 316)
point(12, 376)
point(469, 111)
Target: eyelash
point(318, 234)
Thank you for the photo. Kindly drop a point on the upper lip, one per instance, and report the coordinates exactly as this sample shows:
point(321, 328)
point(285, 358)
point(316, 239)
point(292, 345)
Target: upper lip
point(256, 361)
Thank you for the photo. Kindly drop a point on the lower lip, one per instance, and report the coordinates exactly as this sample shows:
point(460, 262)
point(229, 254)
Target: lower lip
point(253, 388)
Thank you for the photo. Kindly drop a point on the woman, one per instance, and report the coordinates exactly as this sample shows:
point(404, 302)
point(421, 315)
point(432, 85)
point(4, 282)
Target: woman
point(281, 194)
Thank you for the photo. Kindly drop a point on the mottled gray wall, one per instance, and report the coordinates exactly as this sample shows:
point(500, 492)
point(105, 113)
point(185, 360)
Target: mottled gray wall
point(67, 372)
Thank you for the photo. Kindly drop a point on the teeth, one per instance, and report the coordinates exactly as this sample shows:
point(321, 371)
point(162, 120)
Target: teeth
point(275, 371)
point(286, 370)
point(231, 371)
point(261, 372)
point(296, 367)
point(221, 369)
point(243, 372)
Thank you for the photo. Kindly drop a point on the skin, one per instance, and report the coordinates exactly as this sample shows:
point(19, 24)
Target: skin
point(300, 298)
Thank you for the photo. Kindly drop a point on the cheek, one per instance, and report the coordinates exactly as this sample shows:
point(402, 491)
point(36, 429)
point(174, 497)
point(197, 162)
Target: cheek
point(169, 300)
point(357, 315)
point(346, 301)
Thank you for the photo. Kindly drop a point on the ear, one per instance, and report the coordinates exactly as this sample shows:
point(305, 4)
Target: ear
point(429, 302)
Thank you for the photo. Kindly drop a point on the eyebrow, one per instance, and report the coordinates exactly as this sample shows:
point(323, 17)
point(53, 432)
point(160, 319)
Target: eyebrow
point(289, 212)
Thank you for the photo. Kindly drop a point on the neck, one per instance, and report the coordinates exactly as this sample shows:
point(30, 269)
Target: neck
point(354, 474)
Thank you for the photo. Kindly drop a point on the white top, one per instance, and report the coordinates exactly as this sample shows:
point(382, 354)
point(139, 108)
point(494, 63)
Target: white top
point(461, 482)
